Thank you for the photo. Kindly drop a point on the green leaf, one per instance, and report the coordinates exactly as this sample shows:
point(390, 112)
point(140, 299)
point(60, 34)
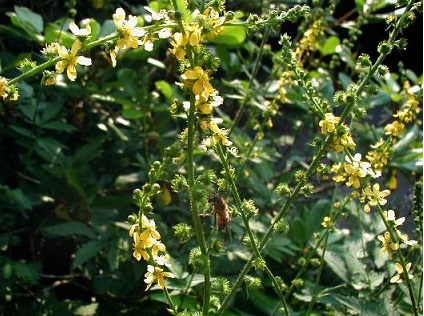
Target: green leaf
point(87, 152)
point(50, 150)
point(264, 303)
point(87, 251)
point(69, 229)
point(28, 272)
point(31, 20)
point(232, 35)
point(166, 90)
point(132, 114)
point(15, 198)
point(107, 28)
point(74, 179)
point(58, 126)
point(345, 80)
point(330, 45)
point(128, 79)
point(95, 30)
point(54, 33)
point(337, 264)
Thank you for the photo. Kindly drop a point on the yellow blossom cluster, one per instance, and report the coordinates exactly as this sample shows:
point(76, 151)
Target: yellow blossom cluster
point(147, 245)
point(353, 170)
point(219, 135)
point(187, 47)
point(391, 243)
point(309, 40)
point(342, 138)
point(378, 156)
point(8, 92)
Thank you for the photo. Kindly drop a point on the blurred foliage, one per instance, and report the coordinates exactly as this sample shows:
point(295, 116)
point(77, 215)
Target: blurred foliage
point(72, 153)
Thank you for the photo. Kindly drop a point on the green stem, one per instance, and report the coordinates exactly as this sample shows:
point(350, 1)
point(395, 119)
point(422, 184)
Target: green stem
point(193, 202)
point(170, 303)
point(252, 77)
point(314, 165)
point(394, 238)
point(277, 218)
point(34, 70)
point(245, 219)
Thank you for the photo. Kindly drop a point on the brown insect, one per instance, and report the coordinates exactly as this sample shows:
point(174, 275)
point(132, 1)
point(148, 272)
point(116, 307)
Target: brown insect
point(220, 209)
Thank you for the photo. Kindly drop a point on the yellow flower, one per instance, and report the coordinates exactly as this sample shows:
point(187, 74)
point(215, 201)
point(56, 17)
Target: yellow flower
point(388, 245)
point(140, 245)
point(195, 34)
point(162, 260)
point(405, 239)
point(156, 274)
point(343, 141)
point(51, 50)
point(206, 105)
point(3, 86)
point(149, 228)
point(355, 170)
point(211, 22)
point(133, 228)
point(395, 129)
point(328, 125)
point(178, 43)
point(326, 222)
point(70, 60)
point(374, 196)
point(201, 84)
point(218, 135)
point(399, 269)
point(8, 92)
point(128, 29)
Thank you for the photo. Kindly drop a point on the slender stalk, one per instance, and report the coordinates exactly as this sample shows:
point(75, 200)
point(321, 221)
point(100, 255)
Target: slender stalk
point(394, 237)
point(252, 77)
point(315, 163)
point(193, 203)
point(170, 303)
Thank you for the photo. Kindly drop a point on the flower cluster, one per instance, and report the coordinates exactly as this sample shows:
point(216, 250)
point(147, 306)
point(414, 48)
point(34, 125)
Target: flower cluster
point(342, 137)
point(196, 79)
point(310, 38)
point(358, 173)
point(353, 170)
point(391, 241)
point(379, 155)
point(8, 92)
point(147, 245)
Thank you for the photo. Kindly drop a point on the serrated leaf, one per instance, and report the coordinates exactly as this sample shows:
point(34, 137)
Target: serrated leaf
point(337, 264)
point(69, 229)
point(87, 251)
